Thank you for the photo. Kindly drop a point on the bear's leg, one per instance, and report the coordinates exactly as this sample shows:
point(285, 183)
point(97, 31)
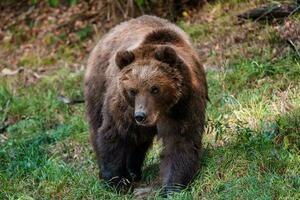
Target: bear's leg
point(136, 158)
point(112, 158)
point(180, 161)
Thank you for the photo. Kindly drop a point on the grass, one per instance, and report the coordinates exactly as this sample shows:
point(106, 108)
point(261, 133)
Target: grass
point(251, 143)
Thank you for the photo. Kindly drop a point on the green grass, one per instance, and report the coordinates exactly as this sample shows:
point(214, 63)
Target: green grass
point(251, 142)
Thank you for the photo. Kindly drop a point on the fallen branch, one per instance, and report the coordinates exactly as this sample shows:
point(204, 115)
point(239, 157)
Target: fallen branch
point(270, 12)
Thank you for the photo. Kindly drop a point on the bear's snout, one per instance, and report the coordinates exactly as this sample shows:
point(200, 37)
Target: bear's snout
point(140, 117)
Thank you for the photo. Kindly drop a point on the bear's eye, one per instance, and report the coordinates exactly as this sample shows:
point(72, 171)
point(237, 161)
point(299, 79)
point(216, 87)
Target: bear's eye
point(132, 92)
point(154, 90)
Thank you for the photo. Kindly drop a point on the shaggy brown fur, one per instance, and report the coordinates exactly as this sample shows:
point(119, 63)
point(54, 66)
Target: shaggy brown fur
point(146, 65)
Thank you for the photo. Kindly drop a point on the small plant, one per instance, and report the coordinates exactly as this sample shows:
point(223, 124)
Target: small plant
point(56, 3)
point(288, 127)
point(72, 2)
point(84, 33)
point(53, 3)
point(140, 3)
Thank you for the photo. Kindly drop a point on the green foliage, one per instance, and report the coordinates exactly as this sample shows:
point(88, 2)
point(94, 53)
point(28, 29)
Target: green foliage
point(84, 33)
point(195, 31)
point(288, 127)
point(34, 1)
point(56, 3)
point(252, 73)
point(73, 2)
point(140, 3)
point(53, 3)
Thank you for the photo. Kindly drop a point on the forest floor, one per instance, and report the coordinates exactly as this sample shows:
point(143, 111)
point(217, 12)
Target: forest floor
point(252, 137)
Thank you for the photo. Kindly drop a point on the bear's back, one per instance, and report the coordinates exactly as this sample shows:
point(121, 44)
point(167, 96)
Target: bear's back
point(126, 36)
point(130, 34)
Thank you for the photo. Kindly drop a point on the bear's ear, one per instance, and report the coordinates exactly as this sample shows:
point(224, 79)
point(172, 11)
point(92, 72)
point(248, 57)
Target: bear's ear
point(124, 58)
point(166, 54)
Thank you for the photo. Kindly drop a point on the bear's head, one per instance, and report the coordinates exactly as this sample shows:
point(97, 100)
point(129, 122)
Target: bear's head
point(152, 81)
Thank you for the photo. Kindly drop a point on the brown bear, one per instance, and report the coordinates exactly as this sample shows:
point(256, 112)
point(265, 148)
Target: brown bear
point(144, 79)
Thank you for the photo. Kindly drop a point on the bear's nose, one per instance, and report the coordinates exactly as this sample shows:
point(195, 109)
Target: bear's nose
point(139, 116)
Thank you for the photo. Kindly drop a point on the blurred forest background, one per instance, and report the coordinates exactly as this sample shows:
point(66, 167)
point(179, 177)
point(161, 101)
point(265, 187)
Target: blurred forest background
point(249, 48)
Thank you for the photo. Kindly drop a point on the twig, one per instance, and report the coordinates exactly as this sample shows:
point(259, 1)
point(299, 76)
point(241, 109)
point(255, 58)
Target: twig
point(295, 10)
point(121, 9)
point(76, 17)
point(130, 8)
point(20, 17)
point(293, 46)
point(69, 101)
